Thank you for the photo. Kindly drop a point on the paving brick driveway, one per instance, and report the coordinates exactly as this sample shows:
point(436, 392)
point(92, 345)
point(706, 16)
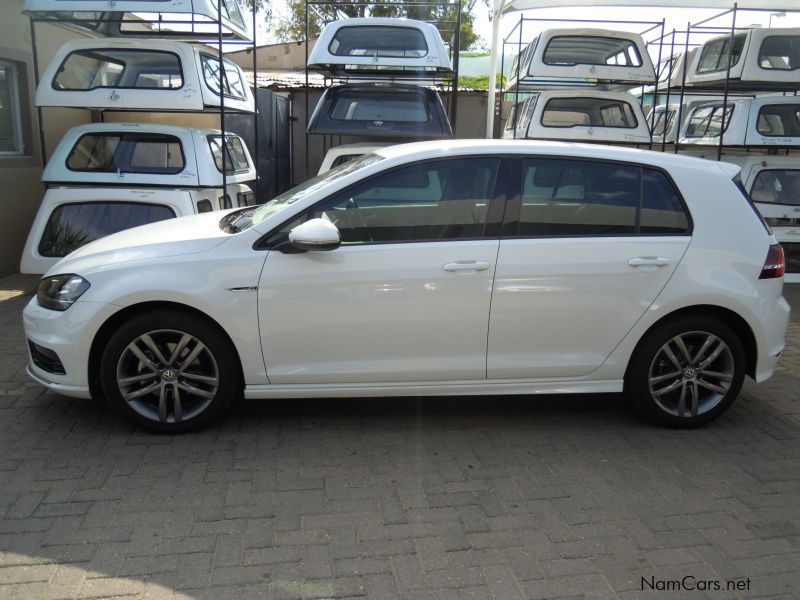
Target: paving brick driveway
point(412, 498)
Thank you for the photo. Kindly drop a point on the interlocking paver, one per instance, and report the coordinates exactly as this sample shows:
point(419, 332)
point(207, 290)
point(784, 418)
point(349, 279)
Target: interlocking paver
point(489, 498)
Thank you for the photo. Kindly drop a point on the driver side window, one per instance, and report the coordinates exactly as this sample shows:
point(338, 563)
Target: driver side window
point(437, 200)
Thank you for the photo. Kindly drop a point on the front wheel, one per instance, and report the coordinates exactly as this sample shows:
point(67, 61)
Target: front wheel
point(687, 371)
point(169, 371)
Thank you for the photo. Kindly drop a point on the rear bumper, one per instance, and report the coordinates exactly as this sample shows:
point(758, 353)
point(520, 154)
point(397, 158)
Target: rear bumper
point(774, 340)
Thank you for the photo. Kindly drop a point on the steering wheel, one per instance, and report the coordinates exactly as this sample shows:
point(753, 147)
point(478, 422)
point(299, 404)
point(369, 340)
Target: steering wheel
point(362, 224)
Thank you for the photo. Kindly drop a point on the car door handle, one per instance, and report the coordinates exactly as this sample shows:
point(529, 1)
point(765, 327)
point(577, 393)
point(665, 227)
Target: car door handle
point(466, 265)
point(649, 261)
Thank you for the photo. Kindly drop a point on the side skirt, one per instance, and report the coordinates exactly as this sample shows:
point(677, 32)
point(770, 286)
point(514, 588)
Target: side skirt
point(449, 388)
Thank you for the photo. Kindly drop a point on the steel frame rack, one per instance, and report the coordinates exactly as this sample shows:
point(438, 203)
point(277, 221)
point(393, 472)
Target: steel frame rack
point(193, 37)
point(455, 48)
point(518, 29)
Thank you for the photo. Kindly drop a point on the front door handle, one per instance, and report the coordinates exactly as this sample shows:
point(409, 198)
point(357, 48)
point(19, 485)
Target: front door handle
point(649, 261)
point(466, 265)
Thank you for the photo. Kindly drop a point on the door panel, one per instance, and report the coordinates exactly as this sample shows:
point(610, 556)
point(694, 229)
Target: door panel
point(377, 313)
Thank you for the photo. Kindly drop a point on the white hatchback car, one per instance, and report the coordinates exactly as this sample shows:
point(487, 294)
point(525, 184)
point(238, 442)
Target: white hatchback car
point(438, 268)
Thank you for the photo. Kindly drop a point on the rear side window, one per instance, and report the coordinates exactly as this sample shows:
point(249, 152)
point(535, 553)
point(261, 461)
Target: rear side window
point(389, 105)
point(714, 56)
point(780, 52)
point(588, 112)
point(570, 50)
point(779, 120)
point(73, 225)
point(235, 155)
point(94, 68)
point(204, 206)
point(379, 41)
point(149, 153)
point(344, 158)
point(564, 197)
point(664, 121)
point(706, 121)
point(777, 186)
point(234, 84)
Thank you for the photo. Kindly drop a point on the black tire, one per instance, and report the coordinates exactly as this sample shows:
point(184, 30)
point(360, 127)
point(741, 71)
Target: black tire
point(184, 409)
point(667, 408)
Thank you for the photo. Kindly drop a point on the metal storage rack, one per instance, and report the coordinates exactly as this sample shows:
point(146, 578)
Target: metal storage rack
point(444, 30)
point(516, 37)
point(193, 35)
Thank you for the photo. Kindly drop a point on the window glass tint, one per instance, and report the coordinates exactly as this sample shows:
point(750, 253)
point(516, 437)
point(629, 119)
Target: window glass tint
point(204, 206)
point(714, 56)
point(575, 197)
point(225, 202)
point(395, 106)
point(779, 120)
point(235, 156)
point(440, 200)
point(781, 52)
point(707, 121)
point(245, 198)
point(230, 11)
point(777, 186)
point(666, 68)
point(595, 112)
point(662, 210)
point(234, 84)
point(127, 153)
point(382, 41)
point(569, 50)
point(73, 225)
point(112, 68)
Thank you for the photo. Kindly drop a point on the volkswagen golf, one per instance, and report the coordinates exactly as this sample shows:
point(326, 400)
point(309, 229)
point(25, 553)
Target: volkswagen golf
point(436, 268)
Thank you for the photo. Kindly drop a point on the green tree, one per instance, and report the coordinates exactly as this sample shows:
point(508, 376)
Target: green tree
point(292, 27)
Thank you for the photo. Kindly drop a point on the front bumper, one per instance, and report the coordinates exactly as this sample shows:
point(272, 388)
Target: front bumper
point(69, 334)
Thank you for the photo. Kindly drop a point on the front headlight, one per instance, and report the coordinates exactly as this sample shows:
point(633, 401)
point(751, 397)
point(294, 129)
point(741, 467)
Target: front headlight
point(59, 292)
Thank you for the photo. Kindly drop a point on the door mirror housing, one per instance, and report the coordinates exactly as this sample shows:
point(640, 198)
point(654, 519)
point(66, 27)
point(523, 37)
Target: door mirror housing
point(315, 234)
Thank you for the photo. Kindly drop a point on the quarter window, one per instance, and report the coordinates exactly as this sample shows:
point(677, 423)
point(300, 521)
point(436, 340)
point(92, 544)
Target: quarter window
point(94, 68)
point(562, 197)
point(664, 119)
point(233, 84)
point(235, 155)
point(74, 225)
point(441, 200)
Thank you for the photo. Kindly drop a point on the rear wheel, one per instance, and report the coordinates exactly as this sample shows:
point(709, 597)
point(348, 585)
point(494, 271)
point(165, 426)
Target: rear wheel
point(169, 371)
point(687, 371)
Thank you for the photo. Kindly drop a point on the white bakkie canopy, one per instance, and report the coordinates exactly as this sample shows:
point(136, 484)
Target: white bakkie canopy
point(100, 15)
point(152, 75)
point(376, 44)
point(136, 154)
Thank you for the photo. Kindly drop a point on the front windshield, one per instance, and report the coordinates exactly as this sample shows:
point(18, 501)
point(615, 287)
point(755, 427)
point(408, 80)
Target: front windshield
point(244, 219)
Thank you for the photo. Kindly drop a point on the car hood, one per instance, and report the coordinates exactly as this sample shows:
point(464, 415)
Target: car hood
point(171, 237)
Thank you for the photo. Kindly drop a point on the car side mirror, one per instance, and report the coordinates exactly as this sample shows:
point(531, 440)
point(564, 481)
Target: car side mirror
point(315, 234)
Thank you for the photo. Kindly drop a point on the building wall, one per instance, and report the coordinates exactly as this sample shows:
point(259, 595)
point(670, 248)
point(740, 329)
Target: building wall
point(20, 176)
point(289, 55)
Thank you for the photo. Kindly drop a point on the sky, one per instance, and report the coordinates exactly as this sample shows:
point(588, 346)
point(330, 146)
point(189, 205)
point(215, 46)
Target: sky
point(675, 18)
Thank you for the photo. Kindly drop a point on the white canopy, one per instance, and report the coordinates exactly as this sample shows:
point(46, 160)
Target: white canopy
point(502, 7)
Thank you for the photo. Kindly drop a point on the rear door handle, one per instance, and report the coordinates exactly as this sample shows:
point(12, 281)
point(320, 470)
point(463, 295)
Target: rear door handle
point(466, 265)
point(649, 261)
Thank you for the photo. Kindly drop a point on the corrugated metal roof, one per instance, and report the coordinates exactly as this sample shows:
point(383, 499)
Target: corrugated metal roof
point(296, 80)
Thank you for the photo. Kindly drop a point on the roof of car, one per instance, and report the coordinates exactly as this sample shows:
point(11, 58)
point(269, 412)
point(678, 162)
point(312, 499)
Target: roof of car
point(436, 148)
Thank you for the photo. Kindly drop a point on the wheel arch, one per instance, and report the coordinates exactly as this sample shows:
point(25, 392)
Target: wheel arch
point(726, 315)
point(106, 330)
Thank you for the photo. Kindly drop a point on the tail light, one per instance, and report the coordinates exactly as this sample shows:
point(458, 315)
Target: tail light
point(775, 265)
